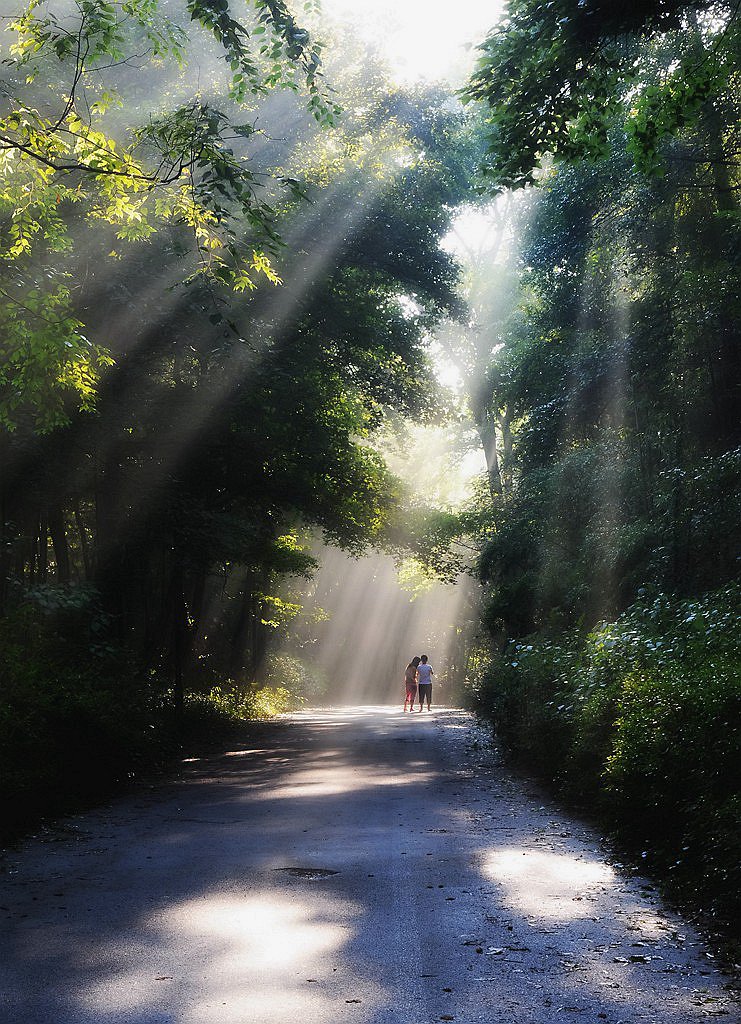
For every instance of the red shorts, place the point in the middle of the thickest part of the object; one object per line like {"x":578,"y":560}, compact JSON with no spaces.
{"x":411,"y":690}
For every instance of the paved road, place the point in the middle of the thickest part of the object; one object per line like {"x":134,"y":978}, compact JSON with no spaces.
{"x":353,"y":865}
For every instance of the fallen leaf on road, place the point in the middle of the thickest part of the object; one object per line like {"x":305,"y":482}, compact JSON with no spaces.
{"x":352,"y":1000}
{"x":164,"y":977}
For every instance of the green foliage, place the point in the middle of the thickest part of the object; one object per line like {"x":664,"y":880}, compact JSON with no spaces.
{"x":233,"y":703}
{"x":553,"y":77}
{"x":640,"y":718}
{"x":180,"y":164}
{"x":620,"y":374}
{"x":233,"y":425}
{"x":665,"y":109}
{"x":69,"y":156}
{"x":617,"y":376}
{"x":287,"y":685}
{"x":46,"y":361}
{"x":75,"y":723}
{"x":289,"y":672}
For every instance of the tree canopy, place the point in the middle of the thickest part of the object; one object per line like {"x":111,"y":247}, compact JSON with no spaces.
{"x":84,"y":141}
{"x":213,"y":421}
{"x":553,"y":77}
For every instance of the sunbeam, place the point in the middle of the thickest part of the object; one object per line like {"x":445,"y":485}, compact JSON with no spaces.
{"x":592,"y":481}
{"x":373,"y":628}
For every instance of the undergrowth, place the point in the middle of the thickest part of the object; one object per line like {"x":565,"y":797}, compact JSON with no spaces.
{"x":638,"y":720}
{"x":234,"y":703}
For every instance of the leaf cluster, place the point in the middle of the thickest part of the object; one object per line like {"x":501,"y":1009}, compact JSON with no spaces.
{"x":553,"y":77}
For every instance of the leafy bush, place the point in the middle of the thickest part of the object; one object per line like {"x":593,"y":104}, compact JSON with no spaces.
{"x":640,"y":719}
{"x":288,"y":685}
{"x":289,"y":672}
{"x":237,"y":703}
{"x":522,"y":692}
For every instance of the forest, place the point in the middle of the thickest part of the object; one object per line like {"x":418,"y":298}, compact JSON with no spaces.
{"x":227,"y":293}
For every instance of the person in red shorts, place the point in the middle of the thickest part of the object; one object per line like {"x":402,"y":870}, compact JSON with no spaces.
{"x":410,"y":682}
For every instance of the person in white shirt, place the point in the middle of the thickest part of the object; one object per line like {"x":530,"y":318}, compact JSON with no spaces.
{"x":424,"y":682}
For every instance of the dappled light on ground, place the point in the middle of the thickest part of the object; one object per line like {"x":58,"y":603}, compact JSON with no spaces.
{"x":237,"y":950}
{"x":321,"y":782}
{"x":268,"y":933}
{"x":550,"y":884}
{"x":351,"y":861}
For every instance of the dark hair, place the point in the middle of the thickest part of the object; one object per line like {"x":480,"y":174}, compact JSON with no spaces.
{"x":414,"y":662}
{"x":423,"y":658}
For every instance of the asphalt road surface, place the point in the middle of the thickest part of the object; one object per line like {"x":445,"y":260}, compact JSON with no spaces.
{"x":342,"y":867}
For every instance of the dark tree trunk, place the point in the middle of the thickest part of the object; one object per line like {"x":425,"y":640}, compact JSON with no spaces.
{"x":243,"y":634}
{"x":42,"y":548}
{"x":5,"y":542}
{"x":58,"y":534}
{"x":505,"y":427}
{"x":84,"y":545}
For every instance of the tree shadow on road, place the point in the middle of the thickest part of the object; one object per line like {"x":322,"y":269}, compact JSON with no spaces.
{"x":347,"y":865}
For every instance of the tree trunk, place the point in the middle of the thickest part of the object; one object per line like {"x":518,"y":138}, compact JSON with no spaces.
{"x":42,"y":548}
{"x":505,"y":427}
{"x":488,"y":434}
{"x":58,"y":533}
{"x":179,"y":637}
{"x":84,"y":545}
{"x":5,"y":541}
{"x":242,"y":632}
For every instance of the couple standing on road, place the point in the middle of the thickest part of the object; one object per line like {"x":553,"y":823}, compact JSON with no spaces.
{"x":418,"y":673}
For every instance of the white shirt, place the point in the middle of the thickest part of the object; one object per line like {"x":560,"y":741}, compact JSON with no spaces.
{"x":423,"y":673}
